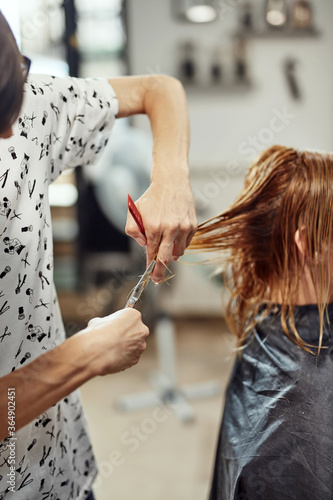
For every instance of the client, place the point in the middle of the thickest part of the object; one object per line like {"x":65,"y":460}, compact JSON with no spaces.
{"x":275,"y":243}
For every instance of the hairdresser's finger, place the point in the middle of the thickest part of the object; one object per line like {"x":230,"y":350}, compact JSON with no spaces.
{"x":192,"y":232}
{"x":133,"y":230}
{"x":153,"y":234}
{"x":179,"y":246}
{"x":187,"y":230}
{"x":164,"y":257}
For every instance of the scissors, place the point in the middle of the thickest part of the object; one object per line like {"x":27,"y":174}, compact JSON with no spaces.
{"x":143,"y":282}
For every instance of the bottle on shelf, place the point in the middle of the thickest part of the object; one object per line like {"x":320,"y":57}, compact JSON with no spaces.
{"x":246,"y":17}
{"x":276,"y":13}
{"x":216,"y":68}
{"x":301,"y":14}
{"x":187,"y":66}
{"x":240,"y":62}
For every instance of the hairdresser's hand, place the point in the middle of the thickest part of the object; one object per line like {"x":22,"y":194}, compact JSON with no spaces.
{"x":168,"y":214}
{"x":115,"y":342}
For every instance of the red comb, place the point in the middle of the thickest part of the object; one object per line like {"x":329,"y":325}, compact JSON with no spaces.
{"x":136,"y":214}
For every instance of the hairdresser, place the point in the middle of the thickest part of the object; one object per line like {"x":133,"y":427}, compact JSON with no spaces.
{"x":46,"y":125}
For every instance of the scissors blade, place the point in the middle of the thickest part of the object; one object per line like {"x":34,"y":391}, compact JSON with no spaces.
{"x":141,"y":285}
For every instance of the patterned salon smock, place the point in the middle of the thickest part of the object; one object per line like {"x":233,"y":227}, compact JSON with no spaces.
{"x":64,"y":122}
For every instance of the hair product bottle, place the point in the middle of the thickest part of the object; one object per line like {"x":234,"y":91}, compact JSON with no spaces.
{"x":301,"y":14}
{"x":276,"y":13}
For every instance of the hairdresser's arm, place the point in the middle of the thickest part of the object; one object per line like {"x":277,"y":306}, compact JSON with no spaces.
{"x":167,"y":207}
{"x":107,"y":345}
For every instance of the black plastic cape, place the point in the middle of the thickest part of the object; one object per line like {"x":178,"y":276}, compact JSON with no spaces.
{"x":276,"y":438}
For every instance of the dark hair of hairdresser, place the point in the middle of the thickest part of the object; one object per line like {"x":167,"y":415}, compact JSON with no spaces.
{"x":11,"y":79}
{"x":285,"y":190}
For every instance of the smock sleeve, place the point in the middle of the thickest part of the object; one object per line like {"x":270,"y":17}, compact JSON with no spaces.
{"x":69,"y":120}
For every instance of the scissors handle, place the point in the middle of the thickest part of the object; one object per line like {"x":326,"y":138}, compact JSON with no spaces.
{"x":130,"y":303}
{"x":136,"y":215}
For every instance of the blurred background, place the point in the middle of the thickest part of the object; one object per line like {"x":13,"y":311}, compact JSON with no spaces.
{"x":256,"y":73}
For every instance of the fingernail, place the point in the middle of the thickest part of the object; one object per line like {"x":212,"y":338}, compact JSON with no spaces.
{"x":141,"y":241}
{"x":175,"y":258}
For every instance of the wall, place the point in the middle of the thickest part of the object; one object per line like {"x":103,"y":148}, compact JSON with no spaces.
{"x":220,"y":123}
{"x":224,"y":124}
{"x":11,"y":13}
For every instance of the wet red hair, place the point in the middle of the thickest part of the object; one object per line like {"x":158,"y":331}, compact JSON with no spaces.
{"x":285,"y":190}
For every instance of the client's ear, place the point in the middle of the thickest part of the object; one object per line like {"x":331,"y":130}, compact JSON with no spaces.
{"x":300,"y":241}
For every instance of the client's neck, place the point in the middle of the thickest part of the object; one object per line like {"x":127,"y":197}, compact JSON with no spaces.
{"x":306,"y":293}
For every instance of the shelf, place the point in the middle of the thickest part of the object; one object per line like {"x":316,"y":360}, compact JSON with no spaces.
{"x":98,"y":14}
{"x":218,"y":88}
{"x":100,"y":55}
{"x":278,"y":33}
